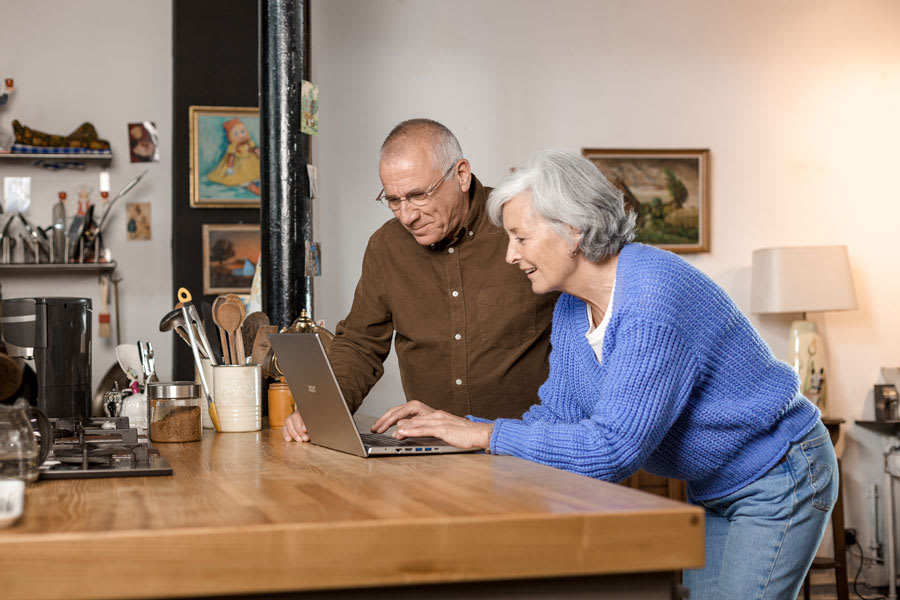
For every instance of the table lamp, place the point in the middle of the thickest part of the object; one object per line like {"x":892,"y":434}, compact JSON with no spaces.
{"x":803,"y":279}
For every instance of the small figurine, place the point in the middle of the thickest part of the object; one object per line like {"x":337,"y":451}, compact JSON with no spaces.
{"x":7,"y":91}
{"x":84,"y":137}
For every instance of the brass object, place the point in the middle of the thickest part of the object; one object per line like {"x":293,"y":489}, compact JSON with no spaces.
{"x":302,"y":324}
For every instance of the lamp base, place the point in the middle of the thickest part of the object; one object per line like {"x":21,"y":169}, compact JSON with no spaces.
{"x":806,"y":354}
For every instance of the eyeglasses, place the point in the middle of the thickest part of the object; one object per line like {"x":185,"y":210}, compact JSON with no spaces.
{"x":419,"y":199}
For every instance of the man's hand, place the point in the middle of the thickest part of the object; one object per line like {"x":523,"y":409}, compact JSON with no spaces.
{"x":415,"y":419}
{"x":295,"y":428}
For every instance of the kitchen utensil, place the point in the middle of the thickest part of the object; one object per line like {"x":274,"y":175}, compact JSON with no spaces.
{"x":250,"y":326}
{"x":20,"y":453}
{"x":234,"y":313}
{"x":174,"y":321}
{"x":115,"y":282}
{"x":130,"y":360}
{"x":213,"y":416}
{"x":145,"y":350}
{"x":38,"y":237}
{"x":211,"y":332}
{"x":122,"y":192}
{"x":183,"y":296}
{"x":103,"y":329}
{"x":200,"y":332}
{"x":227,"y":348}
{"x":261,"y":346}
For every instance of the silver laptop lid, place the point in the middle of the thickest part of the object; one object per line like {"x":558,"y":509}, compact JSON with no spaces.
{"x":302,"y":359}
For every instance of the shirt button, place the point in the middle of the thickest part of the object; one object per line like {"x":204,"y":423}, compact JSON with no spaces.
{"x":454,"y":293}
{"x":459,"y":382}
{"x":471,"y":233}
{"x":451,"y":250}
{"x":457,"y":336}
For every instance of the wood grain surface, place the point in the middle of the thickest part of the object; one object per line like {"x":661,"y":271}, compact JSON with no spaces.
{"x":250,"y":513}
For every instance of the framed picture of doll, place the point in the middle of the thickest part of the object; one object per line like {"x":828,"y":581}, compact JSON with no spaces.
{"x":225,"y":157}
{"x":230,"y":254}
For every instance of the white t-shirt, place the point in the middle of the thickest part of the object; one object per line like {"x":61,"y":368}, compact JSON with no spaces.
{"x":595,"y":335}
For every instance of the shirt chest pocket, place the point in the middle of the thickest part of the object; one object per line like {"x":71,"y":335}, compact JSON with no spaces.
{"x":506,"y":316}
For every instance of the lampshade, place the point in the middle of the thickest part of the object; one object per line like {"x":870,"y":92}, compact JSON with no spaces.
{"x":800,"y":279}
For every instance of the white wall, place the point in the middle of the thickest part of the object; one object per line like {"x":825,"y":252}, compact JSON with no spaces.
{"x":796,"y":100}
{"x":108,"y":62}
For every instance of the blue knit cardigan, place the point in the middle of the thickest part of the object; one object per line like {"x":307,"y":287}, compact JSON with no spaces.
{"x":687,"y":388}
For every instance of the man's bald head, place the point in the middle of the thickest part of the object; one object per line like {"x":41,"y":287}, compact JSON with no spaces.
{"x":442,"y":144}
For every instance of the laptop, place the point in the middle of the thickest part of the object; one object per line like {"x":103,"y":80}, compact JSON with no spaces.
{"x":302,"y":359}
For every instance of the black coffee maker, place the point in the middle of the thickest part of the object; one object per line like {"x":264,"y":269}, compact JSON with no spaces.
{"x":56,"y":334}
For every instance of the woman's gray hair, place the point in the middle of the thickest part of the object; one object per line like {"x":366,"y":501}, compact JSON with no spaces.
{"x":445,"y":149}
{"x":570,"y":192}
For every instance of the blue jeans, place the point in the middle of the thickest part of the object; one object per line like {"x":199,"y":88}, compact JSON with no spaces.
{"x":761,"y":539}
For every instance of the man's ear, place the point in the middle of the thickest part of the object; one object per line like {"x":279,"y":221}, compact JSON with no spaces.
{"x":463,"y":174}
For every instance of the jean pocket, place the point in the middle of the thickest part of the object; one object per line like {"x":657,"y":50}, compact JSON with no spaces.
{"x":822,"y":473}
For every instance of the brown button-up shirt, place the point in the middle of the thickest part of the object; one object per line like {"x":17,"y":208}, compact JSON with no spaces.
{"x":471,"y":336}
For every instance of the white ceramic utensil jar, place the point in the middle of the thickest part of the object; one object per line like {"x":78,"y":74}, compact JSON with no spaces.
{"x":237,"y":392}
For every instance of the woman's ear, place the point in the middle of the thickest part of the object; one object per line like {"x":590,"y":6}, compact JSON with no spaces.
{"x":575,"y":236}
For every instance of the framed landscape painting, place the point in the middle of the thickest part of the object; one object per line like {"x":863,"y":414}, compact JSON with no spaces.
{"x":225,"y":157}
{"x":667,"y":189}
{"x":230,"y":255}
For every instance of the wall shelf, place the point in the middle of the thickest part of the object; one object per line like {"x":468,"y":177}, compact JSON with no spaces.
{"x":56,"y":156}
{"x":58,"y":268}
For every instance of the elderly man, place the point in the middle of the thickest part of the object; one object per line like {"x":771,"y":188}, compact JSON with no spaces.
{"x":471,"y":336}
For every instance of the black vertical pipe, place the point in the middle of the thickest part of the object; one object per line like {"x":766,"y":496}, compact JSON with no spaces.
{"x":285,"y":217}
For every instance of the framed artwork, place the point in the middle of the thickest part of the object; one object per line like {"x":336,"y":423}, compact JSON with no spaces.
{"x":667,"y":189}
{"x":225,"y":157}
{"x":230,"y":254}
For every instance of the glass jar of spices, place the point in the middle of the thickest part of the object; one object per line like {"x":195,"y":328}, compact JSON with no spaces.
{"x":173,"y":411}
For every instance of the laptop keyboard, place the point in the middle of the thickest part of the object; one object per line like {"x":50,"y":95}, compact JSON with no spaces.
{"x":377,"y":439}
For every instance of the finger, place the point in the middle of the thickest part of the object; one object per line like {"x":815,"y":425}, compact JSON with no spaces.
{"x":391,"y":416}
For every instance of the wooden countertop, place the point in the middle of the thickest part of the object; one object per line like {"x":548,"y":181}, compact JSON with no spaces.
{"x":250,"y":513}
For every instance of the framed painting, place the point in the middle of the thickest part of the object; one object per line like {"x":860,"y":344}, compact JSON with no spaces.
{"x":225,"y":157}
{"x":667,"y":189}
{"x":230,"y":255}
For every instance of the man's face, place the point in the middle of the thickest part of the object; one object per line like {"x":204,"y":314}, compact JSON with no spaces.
{"x":411,"y":170}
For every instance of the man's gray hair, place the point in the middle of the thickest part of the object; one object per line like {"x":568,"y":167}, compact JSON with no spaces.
{"x":445,"y":149}
{"x":569,"y":191}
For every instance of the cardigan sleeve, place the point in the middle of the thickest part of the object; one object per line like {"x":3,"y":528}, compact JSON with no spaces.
{"x":642,"y":387}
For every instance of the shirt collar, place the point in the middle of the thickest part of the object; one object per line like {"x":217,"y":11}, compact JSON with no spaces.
{"x":474,"y":216}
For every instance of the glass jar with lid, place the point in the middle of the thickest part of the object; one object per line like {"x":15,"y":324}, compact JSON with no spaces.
{"x":173,"y":411}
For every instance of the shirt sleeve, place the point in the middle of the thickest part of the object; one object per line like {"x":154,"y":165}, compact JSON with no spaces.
{"x":363,"y":339}
{"x":645,"y":382}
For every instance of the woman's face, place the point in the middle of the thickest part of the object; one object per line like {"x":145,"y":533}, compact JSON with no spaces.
{"x":536,"y":247}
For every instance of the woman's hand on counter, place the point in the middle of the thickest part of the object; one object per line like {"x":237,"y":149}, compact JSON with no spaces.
{"x":415,"y":419}
{"x":295,"y":428}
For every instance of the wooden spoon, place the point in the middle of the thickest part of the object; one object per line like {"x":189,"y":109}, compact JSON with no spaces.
{"x":226,"y":351}
{"x":229,"y":318}
{"x":238,"y":339}
{"x":251,"y":325}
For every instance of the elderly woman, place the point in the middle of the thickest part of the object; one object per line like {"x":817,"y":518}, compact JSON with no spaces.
{"x":654,"y":367}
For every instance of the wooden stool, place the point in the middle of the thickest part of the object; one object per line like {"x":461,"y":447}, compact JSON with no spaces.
{"x":839,"y":562}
